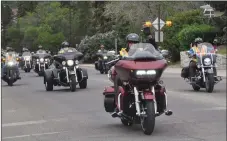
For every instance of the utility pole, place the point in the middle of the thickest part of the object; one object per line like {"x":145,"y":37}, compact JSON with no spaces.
{"x":70,"y":24}
{"x":159,"y":17}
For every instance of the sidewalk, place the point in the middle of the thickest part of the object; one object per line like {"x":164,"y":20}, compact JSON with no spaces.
{"x":174,"y":70}
{"x":178,"y":71}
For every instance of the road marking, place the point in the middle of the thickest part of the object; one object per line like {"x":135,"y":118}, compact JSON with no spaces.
{"x":210,"y":109}
{"x":33,"y":122}
{"x":38,"y":134}
{"x":23,"y":123}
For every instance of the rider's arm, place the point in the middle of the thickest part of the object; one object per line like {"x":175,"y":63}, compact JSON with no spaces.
{"x":191,"y":51}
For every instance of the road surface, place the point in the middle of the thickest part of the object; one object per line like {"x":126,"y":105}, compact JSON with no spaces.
{"x":29,"y":113}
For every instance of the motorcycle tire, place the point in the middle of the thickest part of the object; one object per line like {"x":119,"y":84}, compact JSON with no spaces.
{"x":83,"y":84}
{"x":101,"y":72}
{"x":73,"y":83}
{"x":49,"y":84}
{"x":209,"y":83}
{"x":10,"y":83}
{"x":148,"y":123}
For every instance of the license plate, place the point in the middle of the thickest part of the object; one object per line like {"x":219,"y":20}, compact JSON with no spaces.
{"x":71,"y":72}
{"x":210,"y":71}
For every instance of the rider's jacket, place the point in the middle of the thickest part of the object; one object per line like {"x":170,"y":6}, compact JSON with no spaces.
{"x":194,"y":50}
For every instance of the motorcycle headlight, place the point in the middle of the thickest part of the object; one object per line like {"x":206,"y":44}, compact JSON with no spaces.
{"x":63,"y":63}
{"x":37,"y":60}
{"x":76,"y":62}
{"x":70,"y":62}
{"x":105,"y":57}
{"x":41,"y":59}
{"x":143,"y":72}
{"x":207,"y":61}
{"x":46,"y":60}
{"x":10,"y":63}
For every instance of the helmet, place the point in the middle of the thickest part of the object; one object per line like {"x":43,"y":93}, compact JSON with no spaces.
{"x":198,"y":40}
{"x":25,"y":49}
{"x":40,"y":47}
{"x":65,"y":44}
{"x":132,"y":37}
{"x":9,"y":49}
{"x":215,"y":41}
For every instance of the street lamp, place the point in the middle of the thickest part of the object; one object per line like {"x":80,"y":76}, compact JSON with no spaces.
{"x":169,"y":23}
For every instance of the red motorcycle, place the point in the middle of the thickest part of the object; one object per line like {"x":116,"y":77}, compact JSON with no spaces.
{"x":138,"y":95}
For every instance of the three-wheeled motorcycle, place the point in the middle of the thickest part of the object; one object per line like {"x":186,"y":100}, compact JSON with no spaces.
{"x":26,"y":61}
{"x":138,"y":95}
{"x":105,"y":57}
{"x":41,"y":61}
{"x":10,"y":68}
{"x":206,"y":69}
{"x":65,"y":71}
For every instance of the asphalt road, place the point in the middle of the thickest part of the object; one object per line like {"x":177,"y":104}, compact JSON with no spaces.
{"x":29,"y":113}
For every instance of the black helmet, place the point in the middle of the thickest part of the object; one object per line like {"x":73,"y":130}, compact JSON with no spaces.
{"x":65,"y":44}
{"x":133,"y":37}
{"x":198,"y":40}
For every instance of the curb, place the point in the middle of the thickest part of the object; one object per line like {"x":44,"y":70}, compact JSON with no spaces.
{"x":173,"y":70}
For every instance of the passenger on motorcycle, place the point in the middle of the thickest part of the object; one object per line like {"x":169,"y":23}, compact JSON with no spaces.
{"x":10,"y":55}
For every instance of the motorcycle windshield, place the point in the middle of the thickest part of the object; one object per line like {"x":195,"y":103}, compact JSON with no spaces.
{"x":67,"y":50}
{"x":26,"y":54}
{"x":205,"y":48}
{"x":41,"y":52}
{"x":10,"y":57}
{"x":70,"y":54}
{"x":143,"y":51}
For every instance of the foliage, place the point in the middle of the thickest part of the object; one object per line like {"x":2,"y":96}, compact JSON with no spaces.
{"x":90,"y":45}
{"x":190,"y":32}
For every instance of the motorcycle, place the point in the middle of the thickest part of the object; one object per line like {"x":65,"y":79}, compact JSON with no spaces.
{"x":9,"y":74}
{"x":103,"y":59}
{"x":66,"y":71}
{"x":41,"y":61}
{"x":138,"y":95}
{"x":26,"y":61}
{"x":205,"y":76}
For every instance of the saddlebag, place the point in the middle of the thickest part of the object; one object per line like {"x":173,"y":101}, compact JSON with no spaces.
{"x":96,"y":65}
{"x":185,"y":72}
{"x":109,"y":99}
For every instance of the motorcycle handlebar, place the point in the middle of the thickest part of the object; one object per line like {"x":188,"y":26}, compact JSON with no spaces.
{"x":113,"y":61}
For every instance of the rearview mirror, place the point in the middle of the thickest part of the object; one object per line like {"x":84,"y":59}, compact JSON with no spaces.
{"x":165,"y":53}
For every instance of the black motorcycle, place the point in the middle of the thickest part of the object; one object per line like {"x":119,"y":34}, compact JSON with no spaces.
{"x":10,"y":68}
{"x":65,"y":71}
{"x":41,"y":61}
{"x":26,"y":61}
{"x":205,"y":75}
{"x":101,"y":65}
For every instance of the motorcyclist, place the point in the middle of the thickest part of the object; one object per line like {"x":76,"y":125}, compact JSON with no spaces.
{"x":193,"y":50}
{"x":9,"y":56}
{"x":193,"y":64}
{"x":131,"y":39}
{"x":101,"y":51}
{"x":151,"y":40}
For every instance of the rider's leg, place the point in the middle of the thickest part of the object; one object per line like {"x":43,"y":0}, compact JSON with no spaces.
{"x":192,"y":69}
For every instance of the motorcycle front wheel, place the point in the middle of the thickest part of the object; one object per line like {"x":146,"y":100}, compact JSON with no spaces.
{"x":148,"y":122}
{"x":73,"y":83}
{"x":210,"y":83}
